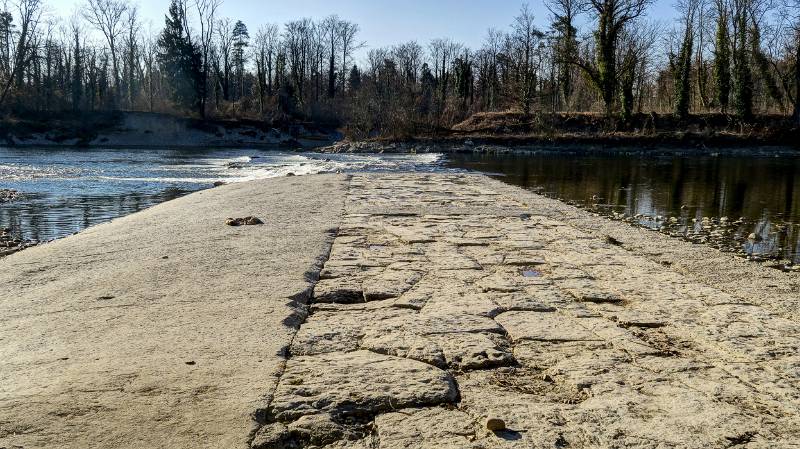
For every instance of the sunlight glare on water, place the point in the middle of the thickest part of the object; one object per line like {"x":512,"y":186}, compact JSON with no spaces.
{"x":67,"y":190}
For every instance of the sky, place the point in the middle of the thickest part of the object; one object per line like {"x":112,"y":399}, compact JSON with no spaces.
{"x":382,"y":22}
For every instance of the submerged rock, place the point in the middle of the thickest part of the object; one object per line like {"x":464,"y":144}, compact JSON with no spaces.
{"x":9,"y":244}
{"x":8,"y":195}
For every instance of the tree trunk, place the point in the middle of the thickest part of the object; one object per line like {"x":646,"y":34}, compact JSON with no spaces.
{"x":332,"y":76}
{"x":115,"y":93}
{"x":607,"y":62}
{"x":797,"y":87}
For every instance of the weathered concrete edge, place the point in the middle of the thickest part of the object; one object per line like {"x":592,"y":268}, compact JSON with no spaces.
{"x":302,"y":300}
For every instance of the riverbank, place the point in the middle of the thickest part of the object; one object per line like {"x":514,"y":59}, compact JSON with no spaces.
{"x":9,"y":244}
{"x":447,"y":304}
{"x":582,"y":133}
{"x":123,"y":129}
{"x":484,"y":132}
{"x":524,"y":145}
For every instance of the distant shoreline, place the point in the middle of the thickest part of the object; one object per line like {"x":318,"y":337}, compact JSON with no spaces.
{"x":538,"y":146}
{"x":142,"y":130}
{"x":489,"y":132}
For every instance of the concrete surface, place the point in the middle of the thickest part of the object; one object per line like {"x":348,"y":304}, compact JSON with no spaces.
{"x":165,"y":328}
{"x":451,"y":311}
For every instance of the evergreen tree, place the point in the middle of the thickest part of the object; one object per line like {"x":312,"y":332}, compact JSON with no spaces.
{"x":464,"y":79}
{"x":180,"y":60}
{"x":241,"y":40}
{"x":428,"y":87}
{"x":354,"y":80}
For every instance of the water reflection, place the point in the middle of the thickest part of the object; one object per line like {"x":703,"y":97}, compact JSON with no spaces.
{"x":743,"y":204}
{"x":41,"y":218}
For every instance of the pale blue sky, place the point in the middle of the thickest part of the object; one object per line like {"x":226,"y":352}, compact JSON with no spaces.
{"x":383,"y":22}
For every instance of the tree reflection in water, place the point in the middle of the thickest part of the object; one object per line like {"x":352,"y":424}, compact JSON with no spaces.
{"x":743,"y":204}
{"x":42,"y":218}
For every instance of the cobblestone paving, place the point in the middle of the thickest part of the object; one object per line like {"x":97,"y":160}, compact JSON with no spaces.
{"x":445,"y":303}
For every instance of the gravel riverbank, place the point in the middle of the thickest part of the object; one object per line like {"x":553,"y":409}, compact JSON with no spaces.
{"x":7,"y":195}
{"x":467,"y":145}
{"x":9,"y":244}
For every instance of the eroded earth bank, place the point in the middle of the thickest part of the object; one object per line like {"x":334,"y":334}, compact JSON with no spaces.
{"x":446,"y":311}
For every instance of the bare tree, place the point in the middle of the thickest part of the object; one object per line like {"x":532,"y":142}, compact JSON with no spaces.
{"x":150,"y":49}
{"x":206,"y":14}
{"x":298,"y":40}
{"x":224,"y":49}
{"x":612,"y":16}
{"x":131,"y":43}
{"x":681,"y":63}
{"x":265,"y":49}
{"x":443,"y":51}
{"x":409,"y":60}
{"x":527,"y":37}
{"x":636,"y":43}
{"x":565,"y":14}
{"x":792,"y":8}
{"x":330,"y":28}
{"x":29,"y":13}
{"x":107,"y":16}
{"x":348,"y":32}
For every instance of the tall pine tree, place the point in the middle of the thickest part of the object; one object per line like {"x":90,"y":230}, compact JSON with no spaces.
{"x":180,"y":60}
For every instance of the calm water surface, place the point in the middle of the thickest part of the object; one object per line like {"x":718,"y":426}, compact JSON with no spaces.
{"x":743,"y":204}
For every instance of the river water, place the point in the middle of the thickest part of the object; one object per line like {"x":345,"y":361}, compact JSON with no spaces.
{"x":65,"y":191}
{"x":745,"y":204}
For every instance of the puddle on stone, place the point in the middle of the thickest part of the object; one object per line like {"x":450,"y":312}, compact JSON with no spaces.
{"x":531,"y":273}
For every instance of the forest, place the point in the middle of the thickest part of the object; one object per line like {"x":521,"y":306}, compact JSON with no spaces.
{"x":609,"y":58}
